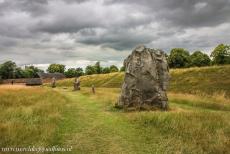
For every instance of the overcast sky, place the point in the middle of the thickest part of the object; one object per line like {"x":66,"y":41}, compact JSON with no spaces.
{"x":79,"y":32}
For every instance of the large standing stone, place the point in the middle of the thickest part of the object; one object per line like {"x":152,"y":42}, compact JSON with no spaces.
{"x":146,"y":80}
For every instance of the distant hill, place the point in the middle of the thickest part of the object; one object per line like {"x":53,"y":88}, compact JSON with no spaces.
{"x":204,"y":80}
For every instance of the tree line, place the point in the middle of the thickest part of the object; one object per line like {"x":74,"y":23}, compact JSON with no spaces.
{"x":89,"y":70}
{"x":9,"y":70}
{"x":178,"y":58}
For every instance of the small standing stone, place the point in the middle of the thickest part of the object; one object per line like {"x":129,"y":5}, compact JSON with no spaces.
{"x":53,"y":82}
{"x":76,"y":84}
{"x":93,"y":89}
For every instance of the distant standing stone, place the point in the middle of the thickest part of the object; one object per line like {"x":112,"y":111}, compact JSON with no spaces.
{"x":146,"y":80}
{"x":93,"y":89}
{"x":53,"y":84}
{"x":76,"y":84}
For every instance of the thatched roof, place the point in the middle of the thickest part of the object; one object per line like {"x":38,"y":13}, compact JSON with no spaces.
{"x":51,"y":75}
{"x":34,"y":81}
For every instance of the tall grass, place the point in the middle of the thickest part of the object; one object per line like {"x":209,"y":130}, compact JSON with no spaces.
{"x":29,"y":116}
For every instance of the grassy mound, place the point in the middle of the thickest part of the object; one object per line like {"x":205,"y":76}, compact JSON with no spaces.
{"x":206,"y":80}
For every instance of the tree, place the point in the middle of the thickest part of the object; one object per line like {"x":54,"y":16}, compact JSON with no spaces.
{"x":56,"y":68}
{"x":89,"y":70}
{"x":106,"y":70}
{"x":113,"y":68}
{"x":98,"y":68}
{"x":31,"y":72}
{"x":7,"y":70}
{"x":79,"y":72}
{"x":70,"y":73}
{"x":200,"y":59}
{"x":122,"y":69}
{"x":221,"y":54}
{"x":179,"y":58}
{"x":19,"y":73}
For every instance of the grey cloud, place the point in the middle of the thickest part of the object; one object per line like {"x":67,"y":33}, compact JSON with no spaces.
{"x":33,"y":7}
{"x":116,"y":39}
{"x":185,"y":13}
{"x":47,"y":31}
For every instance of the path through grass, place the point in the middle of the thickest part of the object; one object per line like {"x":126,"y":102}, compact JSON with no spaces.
{"x":91,"y":125}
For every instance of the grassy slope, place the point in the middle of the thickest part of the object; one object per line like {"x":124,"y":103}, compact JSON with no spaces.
{"x":207,"y":80}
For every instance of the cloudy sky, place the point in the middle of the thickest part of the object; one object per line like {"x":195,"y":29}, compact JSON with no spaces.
{"x":79,"y":32}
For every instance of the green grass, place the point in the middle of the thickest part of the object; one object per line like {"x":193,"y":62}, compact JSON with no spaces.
{"x":90,"y":123}
{"x":212,"y":80}
{"x":93,"y":125}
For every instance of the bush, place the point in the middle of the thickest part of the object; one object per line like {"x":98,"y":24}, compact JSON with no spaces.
{"x":56,"y":68}
{"x":89,"y":70}
{"x":221,"y":54}
{"x":179,"y":58}
{"x":106,"y":70}
{"x":113,"y":68}
{"x":200,"y":59}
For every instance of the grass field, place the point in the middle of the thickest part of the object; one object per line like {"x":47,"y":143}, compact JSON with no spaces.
{"x":42,"y":116}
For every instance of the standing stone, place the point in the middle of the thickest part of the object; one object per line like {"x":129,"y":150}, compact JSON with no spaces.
{"x":53,"y":84}
{"x":93,"y":89}
{"x":76,"y":84}
{"x":146,"y":80}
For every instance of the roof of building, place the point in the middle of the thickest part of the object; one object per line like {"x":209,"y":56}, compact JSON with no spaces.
{"x":51,"y":75}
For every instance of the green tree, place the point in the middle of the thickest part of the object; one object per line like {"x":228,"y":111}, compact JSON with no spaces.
{"x":89,"y":70}
{"x":7,"y":70}
{"x":179,"y":58}
{"x":221,"y":54}
{"x":31,"y":72}
{"x":122,"y":69}
{"x":19,"y":73}
{"x":200,"y":59}
{"x":106,"y":70}
{"x":113,"y":68}
{"x":70,"y":73}
{"x":98,"y":68}
{"x":56,"y":68}
{"x":79,"y":72}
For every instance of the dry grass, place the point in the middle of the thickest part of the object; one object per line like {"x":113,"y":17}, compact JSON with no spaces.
{"x":28,"y":115}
